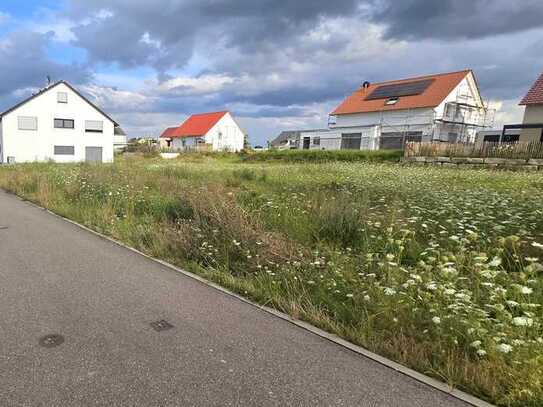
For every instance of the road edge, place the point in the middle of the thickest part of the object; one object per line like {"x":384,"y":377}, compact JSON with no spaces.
{"x":420,"y":377}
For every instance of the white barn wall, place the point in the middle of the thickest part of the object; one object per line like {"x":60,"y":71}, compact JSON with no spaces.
{"x":226,"y":135}
{"x":38,"y":145}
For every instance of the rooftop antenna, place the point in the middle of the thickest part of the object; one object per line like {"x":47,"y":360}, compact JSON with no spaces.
{"x":48,"y":80}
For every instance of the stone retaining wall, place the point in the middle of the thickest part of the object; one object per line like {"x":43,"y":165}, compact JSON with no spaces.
{"x":532,"y":164}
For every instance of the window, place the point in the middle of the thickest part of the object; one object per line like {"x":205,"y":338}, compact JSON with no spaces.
{"x":64,"y":124}
{"x":62,"y":97}
{"x":316,"y":141}
{"x":27,"y":123}
{"x":94,"y":126}
{"x":391,"y":101}
{"x":64,"y":150}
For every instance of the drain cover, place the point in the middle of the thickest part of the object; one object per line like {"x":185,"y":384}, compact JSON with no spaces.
{"x":161,"y":325}
{"x":50,"y":341}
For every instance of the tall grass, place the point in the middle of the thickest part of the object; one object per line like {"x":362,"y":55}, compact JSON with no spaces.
{"x":324,"y":155}
{"x":437,"y":269}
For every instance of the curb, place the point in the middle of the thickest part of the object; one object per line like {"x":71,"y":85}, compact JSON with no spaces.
{"x":440,"y":386}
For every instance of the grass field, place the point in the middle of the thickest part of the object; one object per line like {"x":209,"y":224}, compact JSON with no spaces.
{"x":439,"y":269}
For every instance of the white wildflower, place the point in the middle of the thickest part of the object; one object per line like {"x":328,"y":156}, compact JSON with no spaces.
{"x":523,"y":321}
{"x":504,"y":348}
{"x":436,"y":320}
{"x":389,"y":291}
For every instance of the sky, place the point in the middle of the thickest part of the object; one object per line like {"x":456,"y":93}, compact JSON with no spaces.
{"x":275,"y":64}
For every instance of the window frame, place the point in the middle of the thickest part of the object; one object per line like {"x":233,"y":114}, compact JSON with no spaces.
{"x":62,"y":153}
{"x":64,"y":121}
{"x":87,"y":130}
{"x":59,"y":98}
{"x":19,"y":127}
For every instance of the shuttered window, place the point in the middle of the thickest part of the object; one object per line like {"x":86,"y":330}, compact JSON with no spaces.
{"x":62,"y":97}
{"x":64,"y":124}
{"x":94,"y":126}
{"x":64,"y":150}
{"x":28,"y":122}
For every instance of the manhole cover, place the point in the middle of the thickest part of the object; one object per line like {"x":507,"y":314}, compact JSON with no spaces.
{"x":161,"y":325}
{"x":50,"y":341}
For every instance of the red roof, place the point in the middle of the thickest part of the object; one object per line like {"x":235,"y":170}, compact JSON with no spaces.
{"x":535,"y":94}
{"x":441,"y":86}
{"x":169,"y":132}
{"x":196,"y":125}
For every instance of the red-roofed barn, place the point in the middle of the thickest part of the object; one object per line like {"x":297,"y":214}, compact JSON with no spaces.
{"x":217,"y":131}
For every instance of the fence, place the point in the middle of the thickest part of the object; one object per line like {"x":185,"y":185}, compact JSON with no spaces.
{"x":483,"y":150}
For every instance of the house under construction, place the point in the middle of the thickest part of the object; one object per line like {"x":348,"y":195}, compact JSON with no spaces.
{"x":444,"y":107}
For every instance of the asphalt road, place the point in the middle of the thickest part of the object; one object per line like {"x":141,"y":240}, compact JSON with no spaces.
{"x":56,"y":278}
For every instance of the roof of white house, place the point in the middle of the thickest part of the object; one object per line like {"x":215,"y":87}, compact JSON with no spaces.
{"x":410,"y":93}
{"x":196,"y":125}
{"x":535,"y":94}
{"x":47,"y":89}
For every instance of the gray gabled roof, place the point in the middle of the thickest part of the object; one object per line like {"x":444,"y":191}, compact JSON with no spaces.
{"x":285,"y":136}
{"x":42,"y":91}
{"x":118,"y":131}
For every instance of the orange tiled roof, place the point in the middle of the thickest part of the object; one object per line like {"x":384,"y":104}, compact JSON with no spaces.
{"x":441,"y":86}
{"x":535,"y":94}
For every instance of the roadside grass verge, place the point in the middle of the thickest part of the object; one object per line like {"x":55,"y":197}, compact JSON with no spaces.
{"x":438,"y":269}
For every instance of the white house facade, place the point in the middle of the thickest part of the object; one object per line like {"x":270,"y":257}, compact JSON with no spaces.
{"x":217,"y":131}
{"x":58,"y":124}
{"x":444,"y":107}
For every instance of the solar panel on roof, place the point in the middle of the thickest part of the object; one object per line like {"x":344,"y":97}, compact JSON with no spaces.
{"x":400,"y":89}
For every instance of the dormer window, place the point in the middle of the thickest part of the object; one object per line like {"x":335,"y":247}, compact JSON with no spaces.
{"x":62,"y":97}
{"x":391,"y":101}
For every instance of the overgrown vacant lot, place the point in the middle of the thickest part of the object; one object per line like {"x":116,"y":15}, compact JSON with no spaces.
{"x":439,"y":269}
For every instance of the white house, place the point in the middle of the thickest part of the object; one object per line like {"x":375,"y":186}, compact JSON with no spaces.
{"x":120,"y":139}
{"x":442,"y":107}
{"x":532,"y":123}
{"x":58,"y":123}
{"x":217,"y":131}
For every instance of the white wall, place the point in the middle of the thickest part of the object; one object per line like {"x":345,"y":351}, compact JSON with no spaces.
{"x":38,"y":145}
{"x":533,"y":114}
{"x":180,"y":143}
{"x":226,"y":135}
{"x":331,"y":139}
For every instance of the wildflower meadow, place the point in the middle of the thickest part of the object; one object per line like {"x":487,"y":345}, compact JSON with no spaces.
{"x":440,"y":269}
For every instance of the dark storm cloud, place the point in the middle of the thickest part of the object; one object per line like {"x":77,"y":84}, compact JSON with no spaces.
{"x":24,"y":64}
{"x":454,"y":19}
{"x":247,"y":25}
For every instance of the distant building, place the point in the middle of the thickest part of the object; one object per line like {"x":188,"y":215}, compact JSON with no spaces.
{"x":120,"y":139}
{"x":493,"y":136}
{"x":443,"y":107}
{"x":58,"y":123}
{"x":216,"y":131}
{"x":287,"y":140}
{"x":532,"y":124}
{"x":294,"y":139}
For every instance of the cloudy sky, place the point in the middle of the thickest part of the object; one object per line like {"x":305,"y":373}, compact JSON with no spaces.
{"x":276,"y":64}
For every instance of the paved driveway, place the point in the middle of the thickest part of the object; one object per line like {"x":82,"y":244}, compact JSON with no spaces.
{"x":58,"y":279}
